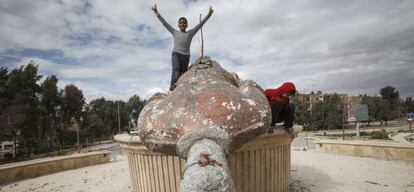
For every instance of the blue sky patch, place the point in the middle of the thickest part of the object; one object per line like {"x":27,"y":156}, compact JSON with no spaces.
{"x":10,"y":57}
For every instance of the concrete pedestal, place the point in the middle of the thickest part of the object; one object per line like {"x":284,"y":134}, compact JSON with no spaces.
{"x":263,"y":164}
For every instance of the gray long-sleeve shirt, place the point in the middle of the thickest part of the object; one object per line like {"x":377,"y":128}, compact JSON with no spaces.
{"x":182,"y":40}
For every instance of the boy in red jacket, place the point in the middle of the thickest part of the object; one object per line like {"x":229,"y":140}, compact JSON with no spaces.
{"x":282,"y":109}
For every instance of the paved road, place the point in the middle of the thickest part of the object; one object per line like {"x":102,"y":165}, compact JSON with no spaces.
{"x":115,"y":149}
{"x":301,"y":141}
{"x":401,"y":138}
{"x":314,"y":171}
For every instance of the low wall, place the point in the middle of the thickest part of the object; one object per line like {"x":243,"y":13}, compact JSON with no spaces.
{"x":260,"y":165}
{"x":394,"y":151}
{"x":33,"y":168}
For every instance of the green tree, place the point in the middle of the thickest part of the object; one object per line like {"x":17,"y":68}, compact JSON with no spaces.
{"x":105,"y":114}
{"x":318,"y":116}
{"x":123,"y":115}
{"x":73,"y":104}
{"x":384,"y":111}
{"x":4,"y":103}
{"x":390,"y":104}
{"x":302,"y":112}
{"x":333,"y":112}
{"x":327,"y":114}
{"x":104,"y":110}
{"x":95,"y":127}
{"x":133,"y":108}
{"x":51,"y":104}
{"x":22,"y":112}
{"x":42,"y":113}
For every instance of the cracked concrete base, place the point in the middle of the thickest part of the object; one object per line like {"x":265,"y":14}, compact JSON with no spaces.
{"x":211,"y":177}
{"x":221,"y":137}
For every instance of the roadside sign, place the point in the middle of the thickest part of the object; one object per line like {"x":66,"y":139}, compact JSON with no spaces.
{"x":410,"y":116}
{"x":351,"y":113}
{"x":358,"y":113}
{"x":362,"y":112}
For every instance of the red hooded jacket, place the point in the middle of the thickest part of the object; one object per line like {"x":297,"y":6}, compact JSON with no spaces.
{"x":274,"y":95}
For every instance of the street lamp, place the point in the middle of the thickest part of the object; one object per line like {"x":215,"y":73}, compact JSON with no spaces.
{"x":119,"y":121}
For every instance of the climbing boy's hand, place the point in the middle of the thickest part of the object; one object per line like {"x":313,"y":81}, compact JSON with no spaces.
{"x":210,"y":11}
{"x":154,"y":8}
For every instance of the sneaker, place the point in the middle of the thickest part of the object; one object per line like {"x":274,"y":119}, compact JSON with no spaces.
{"x":172,"y":88}
{"x":270,"y":130}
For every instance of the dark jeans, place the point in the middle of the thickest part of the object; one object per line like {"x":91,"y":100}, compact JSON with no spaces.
{"x":285,"y":113}
{"x":179,"y":66}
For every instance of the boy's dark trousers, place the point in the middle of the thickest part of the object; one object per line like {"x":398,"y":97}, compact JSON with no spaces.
{"x":179,"y":66}
{"x":282,"y":112}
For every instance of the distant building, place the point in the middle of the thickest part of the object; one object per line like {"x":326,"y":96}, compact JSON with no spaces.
{"x":312,"y":98}
{"x":352,"y":100}
{"x":6,"y":147}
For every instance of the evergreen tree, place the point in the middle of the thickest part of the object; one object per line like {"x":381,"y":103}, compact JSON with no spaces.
{"x":73,"y":104}
{"x":333,"y":112}
{"x":5,"y":128}
{"x":51,"y":105}
{"x":302,"y":113}
{"x":390,"y":103}
{"x":22,"y":112}
{"x":133,"y":108}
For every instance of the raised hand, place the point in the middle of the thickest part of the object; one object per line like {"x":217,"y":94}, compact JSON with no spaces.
{"x":210,"y":10}
{"x":154,"y":8}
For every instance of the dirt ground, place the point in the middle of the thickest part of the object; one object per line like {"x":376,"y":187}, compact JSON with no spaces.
{"x":314,"y":171}
{"x":311,"y":171}
{"x":108,"y":177}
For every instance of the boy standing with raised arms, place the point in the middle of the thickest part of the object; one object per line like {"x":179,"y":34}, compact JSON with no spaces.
{"x":182,"y":41}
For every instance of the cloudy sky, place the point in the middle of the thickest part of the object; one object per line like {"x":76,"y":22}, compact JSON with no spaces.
{"x":118,"y":48}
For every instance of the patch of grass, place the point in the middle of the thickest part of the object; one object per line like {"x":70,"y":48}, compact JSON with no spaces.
{"x":405,"y":131}
{"x":379,"y":135}
{"x":371,"y":135}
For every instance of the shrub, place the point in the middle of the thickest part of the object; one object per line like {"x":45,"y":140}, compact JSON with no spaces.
{"x":379,"y":135}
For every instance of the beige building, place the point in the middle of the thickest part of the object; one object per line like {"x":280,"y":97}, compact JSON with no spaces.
{"x":6,"y":147}
{"x":313,"y":98}
{"x":352,"y":100}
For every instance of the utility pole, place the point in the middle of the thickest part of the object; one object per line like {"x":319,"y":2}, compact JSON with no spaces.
{"x":14,"y":143}
{"x":307,"y":138}
{"x":343,"y":123}
{"x":119,"y":121}
{"x":77,"y":134}
{"x":323,"y":116}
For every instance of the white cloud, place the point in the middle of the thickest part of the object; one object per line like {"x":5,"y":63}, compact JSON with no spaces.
{"x":122,"y":49}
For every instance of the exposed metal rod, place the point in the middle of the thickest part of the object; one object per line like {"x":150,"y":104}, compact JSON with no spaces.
{"x":202,"y":40}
